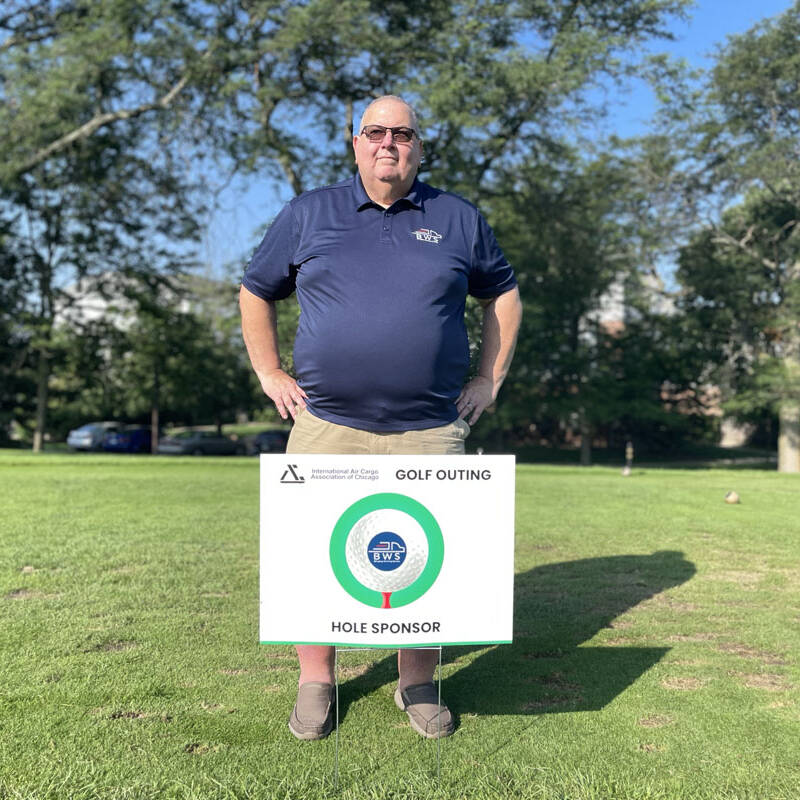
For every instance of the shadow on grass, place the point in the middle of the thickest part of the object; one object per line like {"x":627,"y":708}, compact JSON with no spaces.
{"x":557,"y":607}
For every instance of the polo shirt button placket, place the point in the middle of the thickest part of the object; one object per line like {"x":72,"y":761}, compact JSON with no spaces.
{"x":386,"y":232}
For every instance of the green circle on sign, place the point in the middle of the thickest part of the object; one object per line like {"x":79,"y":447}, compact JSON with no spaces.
{"x":397,"y":502}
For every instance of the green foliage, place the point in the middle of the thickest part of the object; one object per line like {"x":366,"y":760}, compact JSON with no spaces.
{"x":595,"y":348}
{"x":175,"y":351}
{"x":103,"y":103}
{"x":745,"y":301}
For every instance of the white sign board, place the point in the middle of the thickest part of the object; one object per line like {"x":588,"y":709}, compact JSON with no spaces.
{"x":386,"y":551}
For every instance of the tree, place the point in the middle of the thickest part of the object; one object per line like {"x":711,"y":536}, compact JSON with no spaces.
{"x":746,"y":312}
{"x":86,"y":187}
{"x":90,"y":87}
{"x":735,"y":148}
{"x":595,"y":350}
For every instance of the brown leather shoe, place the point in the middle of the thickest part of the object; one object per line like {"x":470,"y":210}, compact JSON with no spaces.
{"x":427,"y":717}
{"x":312,"y":715}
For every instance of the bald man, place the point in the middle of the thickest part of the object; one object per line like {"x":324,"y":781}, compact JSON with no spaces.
{"x":382,"y":265}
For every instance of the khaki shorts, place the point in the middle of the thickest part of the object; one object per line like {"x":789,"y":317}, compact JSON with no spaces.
{"x":311,"y":434}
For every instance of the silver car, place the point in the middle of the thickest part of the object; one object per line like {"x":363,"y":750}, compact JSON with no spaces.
{"x":90,"y":436}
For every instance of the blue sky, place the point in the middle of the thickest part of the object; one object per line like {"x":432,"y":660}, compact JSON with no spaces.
{"x":244,"y":211}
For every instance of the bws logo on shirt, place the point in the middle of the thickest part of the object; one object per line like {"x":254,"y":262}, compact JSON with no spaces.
{"x":427,"y":235}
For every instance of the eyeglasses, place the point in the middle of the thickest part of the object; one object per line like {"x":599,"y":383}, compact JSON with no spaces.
{"x":377,"y":133}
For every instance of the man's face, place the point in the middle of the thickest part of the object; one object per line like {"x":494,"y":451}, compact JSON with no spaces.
{"x":388,"y":161}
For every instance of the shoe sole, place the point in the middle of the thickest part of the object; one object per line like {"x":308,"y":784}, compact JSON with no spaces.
{"x":440,"y":734}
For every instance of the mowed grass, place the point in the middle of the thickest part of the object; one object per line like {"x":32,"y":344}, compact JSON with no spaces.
{"x":657,"y":634}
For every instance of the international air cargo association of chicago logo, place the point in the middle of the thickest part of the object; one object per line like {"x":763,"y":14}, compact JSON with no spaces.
{"x":386,"y":550}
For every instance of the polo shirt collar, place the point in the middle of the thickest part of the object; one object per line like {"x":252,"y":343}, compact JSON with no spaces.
{"x":362,"y":199}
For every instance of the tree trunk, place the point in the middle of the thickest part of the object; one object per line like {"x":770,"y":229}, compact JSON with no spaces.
{"x":789,"y":409}
{"x":42,"y":381}
{"x":586,"y":443}
{"x":154,"y":415}
{"x":789,"y":436}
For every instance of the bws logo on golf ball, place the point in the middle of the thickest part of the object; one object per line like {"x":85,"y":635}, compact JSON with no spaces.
{"x":386,"y":550}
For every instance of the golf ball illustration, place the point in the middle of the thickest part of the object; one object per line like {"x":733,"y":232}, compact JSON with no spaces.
{"x":386,"y":550}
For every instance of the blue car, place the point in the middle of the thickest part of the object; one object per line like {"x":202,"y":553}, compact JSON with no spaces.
{"x":129,"y":439}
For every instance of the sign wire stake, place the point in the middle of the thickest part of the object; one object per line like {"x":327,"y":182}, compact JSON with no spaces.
{"x":439,"y":724}
{"x":336,"y":746}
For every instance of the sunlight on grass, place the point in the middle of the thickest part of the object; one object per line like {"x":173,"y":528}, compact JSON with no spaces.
{"x":655,"y":652}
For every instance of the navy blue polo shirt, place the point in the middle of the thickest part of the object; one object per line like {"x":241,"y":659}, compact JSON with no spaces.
{"x":381,"y":342}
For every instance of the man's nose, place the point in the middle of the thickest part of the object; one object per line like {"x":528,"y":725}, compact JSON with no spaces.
{"x":388,"y":134}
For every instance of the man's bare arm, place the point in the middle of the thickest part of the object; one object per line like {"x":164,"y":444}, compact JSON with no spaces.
{"x":501,"y":319}
{"x":260,"y":331}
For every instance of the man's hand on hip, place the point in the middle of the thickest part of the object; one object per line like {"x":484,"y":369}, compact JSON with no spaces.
{"x":476,"y":396}
{"x":283,"y":390}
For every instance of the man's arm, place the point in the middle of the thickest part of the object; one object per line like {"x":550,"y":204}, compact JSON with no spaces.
{"x":260,"y":331}
{"x":501,"y":319}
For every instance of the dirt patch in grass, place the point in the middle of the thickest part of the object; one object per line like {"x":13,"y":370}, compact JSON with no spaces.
{"x":745,"y":651}
{"x":693,"y":637}
{"x":28,"y":570}
{"x":770,"y":683}
{"x":545,"y":654}
{"x":557,"y":680}
{"x":651,"y":748}
{"x":552,"y":702}
{"x":355,"y":671}
{"x":200,"y":748}
{"x":620,"y":624}
{"x":273,"y":687}
{"x":125,"y":569}
{"x":684,"y":684}
{"x":234,"y":671}
{"x":559,"y":692}
{"x":216,"y":708}
{"x":279,"y":668}
{"x":23,"y":594}
{"x":664,"y":601}
{"x":655,"y":721}
{"x":110,"y":646}
{"x":139,"y":715}
{"x":743,"y":579}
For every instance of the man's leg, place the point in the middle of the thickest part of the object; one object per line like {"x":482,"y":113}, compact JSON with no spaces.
{"x":316,"y":663}
{"x":416,"y":666}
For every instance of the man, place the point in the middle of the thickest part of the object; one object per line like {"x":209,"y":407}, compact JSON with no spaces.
{"x":382,"y":264}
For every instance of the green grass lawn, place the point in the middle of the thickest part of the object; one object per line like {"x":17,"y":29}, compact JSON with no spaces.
{"x":657,"y":634}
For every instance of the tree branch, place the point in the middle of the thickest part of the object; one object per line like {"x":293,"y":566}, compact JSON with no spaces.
{"x":721,"y":237}
{"x":94,"y":124}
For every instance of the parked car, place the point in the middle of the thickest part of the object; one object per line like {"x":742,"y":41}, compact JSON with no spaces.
{"x":128,"y":439}
{"x":273,"y":441}
{"x":200,"y":443}
{"x":91,"y":435}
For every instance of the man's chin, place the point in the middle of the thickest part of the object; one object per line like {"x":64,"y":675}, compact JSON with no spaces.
{"x":388,"y":176}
